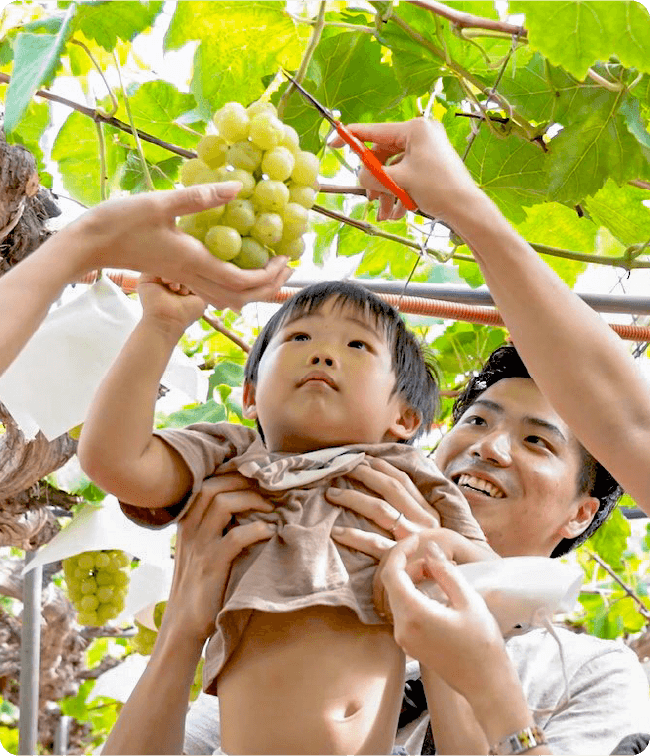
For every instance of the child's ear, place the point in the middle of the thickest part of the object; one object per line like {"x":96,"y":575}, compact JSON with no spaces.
{"x":405,"y":424}
{"x":248,"y":398}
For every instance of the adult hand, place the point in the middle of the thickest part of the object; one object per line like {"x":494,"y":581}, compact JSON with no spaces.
{"x":457,"y":637}
{"x":203,"y":557}
{"x":429,"y":168}
{"x":393,"y":502}
{"x":139,"y":232}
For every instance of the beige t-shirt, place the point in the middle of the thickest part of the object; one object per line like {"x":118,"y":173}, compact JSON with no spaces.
{"x":300,"y":566}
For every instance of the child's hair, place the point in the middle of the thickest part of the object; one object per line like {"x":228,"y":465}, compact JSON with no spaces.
{"x":415,"y":375}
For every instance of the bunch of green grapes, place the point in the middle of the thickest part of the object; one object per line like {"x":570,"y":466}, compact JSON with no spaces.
{"x":271,"y":212}
{"x":143,"y":641}
{"x":97,"y":582}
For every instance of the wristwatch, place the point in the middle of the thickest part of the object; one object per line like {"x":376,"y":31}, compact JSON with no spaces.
{"x":519,"y":742}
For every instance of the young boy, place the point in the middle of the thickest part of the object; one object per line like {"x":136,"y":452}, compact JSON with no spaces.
{"x":301,"y":661}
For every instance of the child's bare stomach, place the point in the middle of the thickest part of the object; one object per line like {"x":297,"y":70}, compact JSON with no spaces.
{"x":315,"y":681}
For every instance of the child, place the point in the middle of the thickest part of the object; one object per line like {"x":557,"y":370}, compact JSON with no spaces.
{"x":301,"y":661}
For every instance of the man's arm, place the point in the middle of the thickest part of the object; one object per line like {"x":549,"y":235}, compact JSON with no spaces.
{"x":117,"y":448}
{"x":581,"y":367}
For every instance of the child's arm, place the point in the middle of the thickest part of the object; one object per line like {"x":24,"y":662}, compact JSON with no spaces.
{"x":117,"y":448}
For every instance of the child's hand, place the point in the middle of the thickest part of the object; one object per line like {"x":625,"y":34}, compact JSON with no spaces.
{"x":168,"y":303}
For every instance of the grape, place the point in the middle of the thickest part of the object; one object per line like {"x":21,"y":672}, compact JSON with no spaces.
{"x":244,"y":155}
{"x":267,"y":229}
{"x":303,"y":195}
{"x":247,"y":180}
{"x":295,"y":219}
{"x":305,"y":170}
{"x":293,"y":248}
{"x":270,"y":195}
{"x":195,"y":171}
{"x":212,"y":150}
{"x":252,"y":255}
{"x":240,"y":214}
{"x":143,"y":641}
{"x":232,"y":121}
{"x":158,"y":612}
{"x":290,"y":140}
{"x":210,"y":217}
{"x":261,"y":106}
{"x":193,"y":225}
{"x":96,"y":583}
{"x":197,"y":683}
{"x":266,"y":130}
{"x":278,"y":163}
{"x":224,"y":242}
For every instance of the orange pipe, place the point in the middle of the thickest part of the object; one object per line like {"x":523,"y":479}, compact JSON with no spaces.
{"x":434,"y":308}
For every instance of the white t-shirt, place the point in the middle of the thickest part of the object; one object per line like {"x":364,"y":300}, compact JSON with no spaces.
{"x":608,"y":691}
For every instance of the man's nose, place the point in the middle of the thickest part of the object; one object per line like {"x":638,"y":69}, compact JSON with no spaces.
{"x":495,"y":448}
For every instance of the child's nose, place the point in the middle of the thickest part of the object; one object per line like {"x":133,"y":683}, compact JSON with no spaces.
{"x":322,"y":359}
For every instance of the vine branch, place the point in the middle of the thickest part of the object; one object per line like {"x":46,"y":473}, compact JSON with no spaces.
{"x":97,"y":115}
{"x":468,"y":20}
{"x":641,"y":606}
{"x":219,"y":326}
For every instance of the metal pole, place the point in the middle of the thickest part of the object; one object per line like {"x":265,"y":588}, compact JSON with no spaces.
{"x":30,"y":646}
{"x":61,"y":736}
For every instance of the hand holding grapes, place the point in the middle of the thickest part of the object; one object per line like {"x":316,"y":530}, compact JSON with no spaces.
{"x":169,"y":305}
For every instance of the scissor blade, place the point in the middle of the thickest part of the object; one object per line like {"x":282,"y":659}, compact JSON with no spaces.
{"x":321,"y":108}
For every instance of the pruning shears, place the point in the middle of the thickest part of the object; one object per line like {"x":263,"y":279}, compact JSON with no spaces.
{"x":368,"y":158}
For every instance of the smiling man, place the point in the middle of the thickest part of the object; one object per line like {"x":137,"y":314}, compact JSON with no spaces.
{"x":533,"y":487}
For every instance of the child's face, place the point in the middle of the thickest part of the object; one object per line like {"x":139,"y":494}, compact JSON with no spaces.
{"x":326,"y":379}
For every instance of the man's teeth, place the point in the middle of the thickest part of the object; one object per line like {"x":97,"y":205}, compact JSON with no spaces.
{"x":481,"y":485}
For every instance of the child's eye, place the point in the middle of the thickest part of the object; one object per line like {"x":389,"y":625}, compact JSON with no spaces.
{"x":298,"y":337}
{"x":357,"y":344}
{"x":475,"y":420}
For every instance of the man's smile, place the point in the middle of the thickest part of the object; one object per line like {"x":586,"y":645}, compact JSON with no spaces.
{"x":479,"y":484}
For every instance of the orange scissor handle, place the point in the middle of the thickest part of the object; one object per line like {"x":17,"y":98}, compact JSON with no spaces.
{"x":375,"y":167}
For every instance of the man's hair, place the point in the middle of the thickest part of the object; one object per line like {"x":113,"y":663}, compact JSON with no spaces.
{"x":415,"y":376}
{"x":593,"y":478}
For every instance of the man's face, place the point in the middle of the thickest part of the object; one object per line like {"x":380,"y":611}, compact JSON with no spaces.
{"x":518,"y":465}
{"x":326,"y":379}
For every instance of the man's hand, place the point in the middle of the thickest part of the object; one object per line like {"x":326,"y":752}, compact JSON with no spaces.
{"x":428,"y":168}
{"x":139,"y":232}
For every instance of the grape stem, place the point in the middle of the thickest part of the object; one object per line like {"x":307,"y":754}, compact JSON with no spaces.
{"x":319,"y":25}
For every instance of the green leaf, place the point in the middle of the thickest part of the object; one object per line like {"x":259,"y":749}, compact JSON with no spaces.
{"x":346,"y":74}
{"x":470,"y":272}
{"x":610,"y":540}
{"x":511,"y":171}
{"x":576,"y":34}
{"x":76,"y":149}
{"x":228,"y":373}
{"x":241,"y":43}
{"x":106,"y":22}
{"x":559,"y":226}
{"x":583,"y":155}
{"x":416,"y":67}
{"x":156,"y":106}
{"x":30,"y":130}
{"x":163,"y":175}
{"x":621,"y":210}
{"x":210,"y":412}
{"x":36,"y":58}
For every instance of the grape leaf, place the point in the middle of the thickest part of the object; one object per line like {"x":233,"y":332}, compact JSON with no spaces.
{"x":230,"y":66}
{"x":164,"y":174}
{"x":339,"y":77}
{"x":510,"y":170}
{"x":576,"y":34}
{"x":610,"y":540}
{"x":106,"y":22}
{"x":584,"y":155}
{"x":76,"y":149}
{"x":155,"y":107}
{"x":621,"y":210}
{"x":36,"y":58}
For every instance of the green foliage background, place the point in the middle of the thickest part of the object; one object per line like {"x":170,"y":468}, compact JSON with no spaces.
{"x":563,"y":149}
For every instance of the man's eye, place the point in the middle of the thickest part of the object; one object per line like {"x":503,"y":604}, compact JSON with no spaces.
{"x":357,"y":344}
{"x":537,"y":441}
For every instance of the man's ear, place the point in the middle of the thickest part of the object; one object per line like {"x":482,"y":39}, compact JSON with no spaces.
{"x":406,"y":423}
{"x":586,"y":509}
{"x":248,"y":400}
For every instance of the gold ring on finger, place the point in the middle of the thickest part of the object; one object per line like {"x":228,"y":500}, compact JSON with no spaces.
{"x":396,"y":523}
